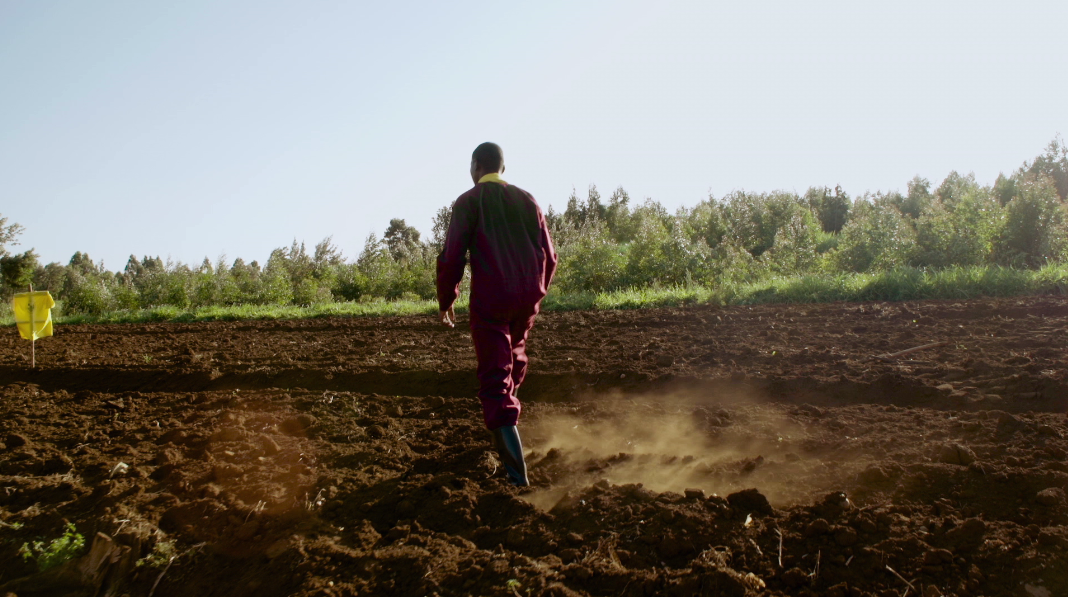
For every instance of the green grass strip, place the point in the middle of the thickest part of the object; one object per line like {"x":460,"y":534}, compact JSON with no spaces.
{"x":906,"y":284}
{"x":380,"y":308}
{"x":896,"y":285}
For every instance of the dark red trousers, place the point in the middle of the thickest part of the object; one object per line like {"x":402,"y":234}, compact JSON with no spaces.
{"x":501,"y":348}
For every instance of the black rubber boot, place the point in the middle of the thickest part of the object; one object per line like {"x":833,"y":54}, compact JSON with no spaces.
{"x":510,"y":449}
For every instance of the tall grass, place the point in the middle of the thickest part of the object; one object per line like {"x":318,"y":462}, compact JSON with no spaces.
{"x":378,"y":308}
{"x":906,"y":284}
{"x":895,"y":285}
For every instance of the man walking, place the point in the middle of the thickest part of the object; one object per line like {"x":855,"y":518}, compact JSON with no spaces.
{"x":512,"y":264}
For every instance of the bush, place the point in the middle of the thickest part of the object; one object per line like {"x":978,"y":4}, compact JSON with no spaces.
{"x":162,"y":285}
{"x":705,"y":222}
{"x":685,"y":260}
{"x":384,"y":276}
{"x":241,"y":284}
{"x":205,"y":288}
{"x":125,"y":296}
{"x":592,"y":262}
{"x":1035,"y":231}
{"x":958,"y":232}
{"x":795,"y":251}
{"x":755,"y":219}
{"x":351,"y":283}
{"x":877,"y":237}
{"x":272,"y":288}
{"x":832,"y":210}
{"x":732,"y":264}
{"x":309,"y":292}
{"x":917,"y":201}
{"x":646,"y":258}
{"x":86,"y":294}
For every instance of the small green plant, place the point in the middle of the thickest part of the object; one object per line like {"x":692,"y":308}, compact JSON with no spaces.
{"x":147,"y":358}
{"x":512,"y":584}
{"x":162,"y":553}
{"x":61,"y":549}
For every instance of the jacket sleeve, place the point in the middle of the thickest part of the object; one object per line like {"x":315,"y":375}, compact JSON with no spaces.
{"x":453,"y":255}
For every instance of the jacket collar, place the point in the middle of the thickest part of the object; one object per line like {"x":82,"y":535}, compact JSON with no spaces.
{"x":492,"y":177}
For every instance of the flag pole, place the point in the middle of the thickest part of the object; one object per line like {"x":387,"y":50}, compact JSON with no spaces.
{"x":33,"y":334}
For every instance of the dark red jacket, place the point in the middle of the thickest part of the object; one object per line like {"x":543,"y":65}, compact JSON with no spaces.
{"x":512,"y":256}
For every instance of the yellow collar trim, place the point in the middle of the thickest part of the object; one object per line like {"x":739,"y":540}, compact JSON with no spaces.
{"x":492,"y":177}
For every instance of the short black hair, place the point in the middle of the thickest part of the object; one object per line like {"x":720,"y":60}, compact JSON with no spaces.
{"x":489,"y":157}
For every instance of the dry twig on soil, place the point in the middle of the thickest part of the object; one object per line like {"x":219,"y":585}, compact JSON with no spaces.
{"x":901,"y":353}
{"x":780,"y":546}
{"x":894,"y":572}
{"x":168,"y":566}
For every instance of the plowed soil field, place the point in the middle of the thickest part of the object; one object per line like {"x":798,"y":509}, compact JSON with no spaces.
{"x":772,"y":450}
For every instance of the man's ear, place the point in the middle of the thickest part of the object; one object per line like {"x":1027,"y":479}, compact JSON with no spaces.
{"x":502,"y":168}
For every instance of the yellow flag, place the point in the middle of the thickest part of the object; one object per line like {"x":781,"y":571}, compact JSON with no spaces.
{"x":33,"y":314}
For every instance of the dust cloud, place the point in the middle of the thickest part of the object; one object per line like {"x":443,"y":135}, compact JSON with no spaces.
{"x":674,"y":444}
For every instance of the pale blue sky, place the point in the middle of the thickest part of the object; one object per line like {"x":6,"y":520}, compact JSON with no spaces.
{"x":196,"y":128}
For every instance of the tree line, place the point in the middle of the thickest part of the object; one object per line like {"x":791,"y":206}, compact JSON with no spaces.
{"x":1021,"y":221}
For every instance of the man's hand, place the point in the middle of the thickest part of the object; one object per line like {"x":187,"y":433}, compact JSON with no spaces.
{"x":448,"y":318}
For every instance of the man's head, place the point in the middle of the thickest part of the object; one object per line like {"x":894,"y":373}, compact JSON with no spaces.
{"x":486,"y":159}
